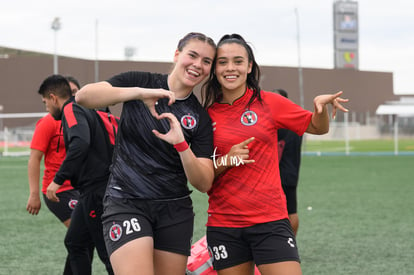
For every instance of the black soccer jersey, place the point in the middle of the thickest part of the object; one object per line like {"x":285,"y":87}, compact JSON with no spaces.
{"x":289,"y":163}
{"x":145,"y":166}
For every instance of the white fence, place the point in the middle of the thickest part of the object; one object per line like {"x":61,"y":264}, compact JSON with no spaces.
{"x":16,"y":141}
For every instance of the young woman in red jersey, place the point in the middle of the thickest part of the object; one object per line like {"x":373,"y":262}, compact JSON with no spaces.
{"x":247,"y":216}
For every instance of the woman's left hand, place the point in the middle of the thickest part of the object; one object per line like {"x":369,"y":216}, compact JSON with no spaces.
{"x":322,"y":100}
{"x":175,"y":134}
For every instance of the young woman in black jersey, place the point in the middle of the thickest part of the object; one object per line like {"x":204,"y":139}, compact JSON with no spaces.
{"x":164,"y":140}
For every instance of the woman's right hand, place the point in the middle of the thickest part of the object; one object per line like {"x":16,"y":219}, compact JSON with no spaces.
{"x":150,"y":97}
{"x":239,"y":153}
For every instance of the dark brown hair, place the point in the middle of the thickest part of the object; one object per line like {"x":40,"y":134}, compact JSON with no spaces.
{"x":211,"y":90}
{"x":195,"y":35}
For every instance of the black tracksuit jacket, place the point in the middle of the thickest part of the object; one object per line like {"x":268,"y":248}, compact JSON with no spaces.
{"x":88,"y":150}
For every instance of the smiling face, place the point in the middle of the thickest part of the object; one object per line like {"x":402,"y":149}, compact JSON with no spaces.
{"x":232,"y":68}
{"x":193,"y":63}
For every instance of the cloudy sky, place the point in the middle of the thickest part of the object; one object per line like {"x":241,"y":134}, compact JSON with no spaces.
{"x":103,"y":29}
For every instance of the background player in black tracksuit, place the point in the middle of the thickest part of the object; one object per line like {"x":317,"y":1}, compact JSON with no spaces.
{"x":88,"y":157}
{"x":289,"y":164}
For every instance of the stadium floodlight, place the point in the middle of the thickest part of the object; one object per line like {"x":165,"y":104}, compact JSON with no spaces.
{"x":56,"y":25}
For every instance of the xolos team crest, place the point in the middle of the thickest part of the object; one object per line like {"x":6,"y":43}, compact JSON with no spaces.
{"x":115,"y":232}
{"x":72,"y":203}
{"x":188,"y":121}
{"x":248,"y":118}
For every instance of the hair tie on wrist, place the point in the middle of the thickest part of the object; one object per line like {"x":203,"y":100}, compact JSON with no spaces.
{"x":182,"y":146}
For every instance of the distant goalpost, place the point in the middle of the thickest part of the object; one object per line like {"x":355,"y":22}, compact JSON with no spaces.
{"x":16,"y":141}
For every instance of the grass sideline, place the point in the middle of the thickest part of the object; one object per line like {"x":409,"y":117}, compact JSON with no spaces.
{"x":360,"y":222}
{"x":405,"y":145}
{"x":372,"y":146}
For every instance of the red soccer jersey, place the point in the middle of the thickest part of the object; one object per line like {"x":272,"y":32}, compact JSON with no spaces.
{"x":250,"y":194}
{"x":48,"y":138}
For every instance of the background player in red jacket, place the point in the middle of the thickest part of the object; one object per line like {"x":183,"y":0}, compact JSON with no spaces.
{"x":247,"y":217}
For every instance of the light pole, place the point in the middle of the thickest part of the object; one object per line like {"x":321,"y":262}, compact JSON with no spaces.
{"x":55,"y":27}
{"x":302,"y":98}
{"x":300,"y":74}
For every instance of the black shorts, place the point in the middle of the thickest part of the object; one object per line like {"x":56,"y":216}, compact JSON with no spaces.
{"x":64,"y":208}
{"x":170,"y":223}
{"x":264,"y":243}
{"x":291,"y":198}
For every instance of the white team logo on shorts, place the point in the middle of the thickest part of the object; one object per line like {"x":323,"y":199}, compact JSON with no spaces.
{"x":115,"y":232}
{"x":188,"y":121}
{"x":72,"y":203}
{"x":248,"y":118}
